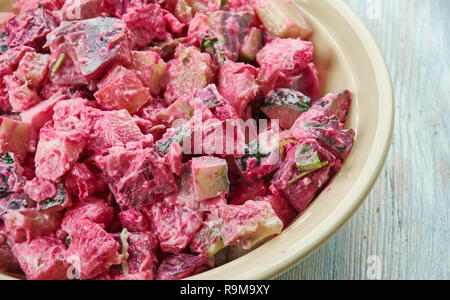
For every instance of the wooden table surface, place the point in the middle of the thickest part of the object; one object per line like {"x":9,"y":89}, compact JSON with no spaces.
{"x":404,"y":222}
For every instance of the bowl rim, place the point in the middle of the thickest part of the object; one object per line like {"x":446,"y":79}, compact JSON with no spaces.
{"x":380,"y":150}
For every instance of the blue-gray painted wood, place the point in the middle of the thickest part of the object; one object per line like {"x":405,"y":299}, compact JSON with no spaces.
{"x":404,"y":221}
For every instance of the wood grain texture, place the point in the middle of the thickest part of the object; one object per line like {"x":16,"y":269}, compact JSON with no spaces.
{"x":404,"y":221}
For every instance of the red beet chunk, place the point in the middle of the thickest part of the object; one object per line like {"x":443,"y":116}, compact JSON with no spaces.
{"x":136,"y":177}
{"x":180,"y":266}
{"x":30,"y":28}
{"x":42,"y":259}
{"x":92,"y":250}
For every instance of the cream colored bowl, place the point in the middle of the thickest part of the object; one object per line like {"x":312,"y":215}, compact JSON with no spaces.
{"x":347,"y":58}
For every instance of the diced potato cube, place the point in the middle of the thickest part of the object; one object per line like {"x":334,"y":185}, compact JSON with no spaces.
{"x":42,"y":259}
{"x":190,"y":71}
{"x":94,"y":210}
{"x":150,"y":68}
{"x":183,"y":11}
{"x":81,"y":9}
{"x":57,"y":152}
{"x":283,"y":18}
{"x":26,"y":224}
{"x":33,"y":68}
{"x":249,"y":224}
{"x":210,"y":177}
{"x":15,"y":137}
{"x":238,"y":85}
{"x":180,"y":109}
{"x":174,"y":225}
{"x":251,"y":45}
{"x":122,"y":89}
{"x":21,"y":97}
{"x":41,"y":113}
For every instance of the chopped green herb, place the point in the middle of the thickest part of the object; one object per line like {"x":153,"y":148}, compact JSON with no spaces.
{"x":307,"y":158}
{"x":295,"y":179}
{"x":59,"y":199}
{"x":4,"y":48}
{"x":180,"y":134}
{"x":223,"y":3}
{"x":7,"y":159}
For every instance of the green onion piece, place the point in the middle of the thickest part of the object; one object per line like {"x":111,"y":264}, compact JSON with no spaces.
{"x":58,"y":63}
{"x":295,"y":179}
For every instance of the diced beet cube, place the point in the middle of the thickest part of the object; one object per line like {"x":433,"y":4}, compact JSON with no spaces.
{"x":284,"y":210}
{"x":11,"y":58}
{"x":136,"y":177}
{"x":190,"y":71}
{"x":328,"y":131}
{"x":174,"y":159}
{"x":41,"y":113}
{"x":150,"y":68}
{"x":174,"y":225}
{"x":208,"y":240}
{"x":237,"y":83}
{"x":114,"y":128}
{"x":40,"y":189}
{"x":226,"y":34}
{"x":28,"y":223}
{"x":198,"y":29}
{"x":147,"y":24}
{"x":84,"y":180}
{"x":8,"y":262}
{"x":64,"y":73}
{"x":5,"y":107}
{"x":16,"y":137}
{"x":21,"y":97}
{"x":81,"y":9}
{"x":96,"y":210}
{"x":76,"y":115}
{"x":179,"y":266}
{"x":33,"y":68}
{"x":142,"y":261}
{"x":220,"y":107}
{"x":290,"y":56}
{"x":25,"y":5}
{"x":248,"y":224}
{"x":93,"y":44}
{"x":122,"y":89}
{"x":133,"y":220}
{"x":306,"y":169}
{"x":42,"y":259}
{"x":115,"y":8}
{"x":30,"y":28}
{"x":308,"y":82}
{"x":92,"y":250}
{"x":13,"y":202}
{"x":335,"y":104}
{"x":243,"y":192}
{"x":173,"y":24}
{"x":57,"y":152}
{"x":11,"y":174}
